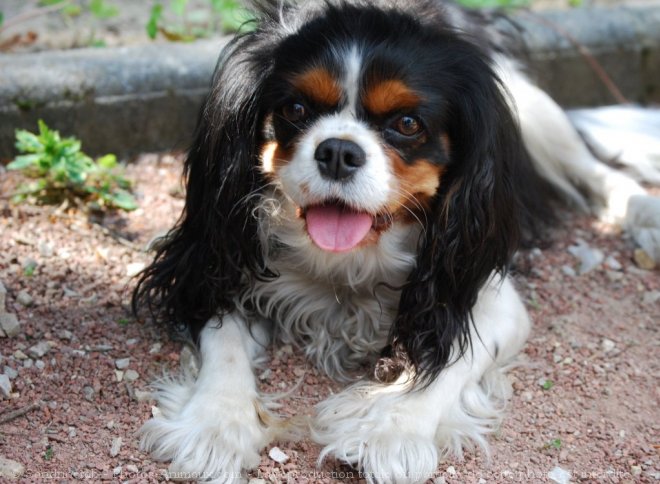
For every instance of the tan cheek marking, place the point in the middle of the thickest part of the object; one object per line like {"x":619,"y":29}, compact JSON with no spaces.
{"x":319,"y":85}
{"x":388,"y":96}
{"x":273,"y":157}
{"x":418,"y":183}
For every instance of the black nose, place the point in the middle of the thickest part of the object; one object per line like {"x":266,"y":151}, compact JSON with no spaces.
{"x":339,"y":159}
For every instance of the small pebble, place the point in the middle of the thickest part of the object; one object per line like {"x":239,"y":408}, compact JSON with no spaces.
{"x":9,"y":324}
{"x":119,"y":375}
{"x":3,"y":297}
{"x":568,"y":271}
{"x":5,"y":386}
{"x":72,"y":432}
{"x":643,"y":260}
{"x":29,"y":363}
{"x":155,"y":348}
{"x":122,"y":363}
{"x":115,"y":447}
{"x":134,"y":268}
{"x":24,"y":299}
{"x":607,"y":345}
{"x":39,"y":350}
{"x":116,"y":471}
{"x":19,"y":355}
{"x":10,"y":372}
{"x":131,"y":375}
{"x":589,"y":257}
{"x":45,"y":249}
{"x":88,"y":393}
{"x":65,"y":334}
{"x":10,"y":469}
{"x":613,"y":264}
{"x":143,"y":396}
{"x":40,"y":364}
{"x":132,"y":468}
{"x":266,"y":374}
{"x":277,"y":455}
{"x":451,"y":470}
{"x":110,"y":425}
{"x":256,"y":481}
{"x":651,"y":297}
{"x":559,"y":475}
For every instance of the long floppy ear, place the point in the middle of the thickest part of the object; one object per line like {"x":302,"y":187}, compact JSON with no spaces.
{"x":473,"y":227}
{"x":202,"y":263}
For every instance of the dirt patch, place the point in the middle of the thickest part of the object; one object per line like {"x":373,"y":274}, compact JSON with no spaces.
{"x":586,"y":396}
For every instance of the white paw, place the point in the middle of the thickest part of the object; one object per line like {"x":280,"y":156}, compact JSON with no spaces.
{"x":208,"y":438}
{"x":643,"y":223}
{"x":375,"y":432}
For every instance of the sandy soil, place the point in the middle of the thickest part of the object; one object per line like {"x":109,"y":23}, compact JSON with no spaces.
{"x":586,"y":396}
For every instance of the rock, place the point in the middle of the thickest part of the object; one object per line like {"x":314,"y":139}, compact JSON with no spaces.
{"x":614,"y":276}
{"x":5,"y":387}
{"x":613,"y":264}
{"x":9,"y":324}
{"x":19,"y":355}
{"x":88,"y":393}
{"x":119,"y":375}
{"x":134,"y":268}
{"x":116,"y":471}
{"x":40,"y":364}
{"x":589,"y":257}
{"x":39,"y":350}
{"x":254,"y":480}
{"x":122,"y":363}
{"x":559,"y":475}
{"x":651,"y":297}
{"x":568,"y":270}
{"x":45,"y":249}
{"x":24,"y":299}
{"x":29,"y":363}
{"x":643,"y":260}
{"x":266,"y":374}
{"x":132,"y":468}
{"x":277,"y":455}
{"x":10,"y":372}
{"x":3,"y":297}
{"x":607,"y":345}
{"x":115,"y":447}
{"x":65,"y":334}
{"x":155,"y":348}
{"x":10,"y":469}
{"x":451,"y":470}
{"x":131,"y":375}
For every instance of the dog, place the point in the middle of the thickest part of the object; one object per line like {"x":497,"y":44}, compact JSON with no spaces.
{"x":361,"y":176}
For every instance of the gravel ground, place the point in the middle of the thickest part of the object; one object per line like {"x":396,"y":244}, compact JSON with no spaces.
{"x":586,"y":394}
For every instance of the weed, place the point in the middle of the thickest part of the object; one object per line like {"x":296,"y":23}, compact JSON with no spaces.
{"x":63,"y":172}
{"x":48,"y":455}
{"x":548,"y":384}
{"x":123,"y":322}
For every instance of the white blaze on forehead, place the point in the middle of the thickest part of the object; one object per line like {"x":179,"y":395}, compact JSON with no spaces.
{"x":351,"y":81}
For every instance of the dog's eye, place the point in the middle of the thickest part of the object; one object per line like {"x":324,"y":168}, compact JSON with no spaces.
{"x":294,"y":112}
{"x":408,"y":125}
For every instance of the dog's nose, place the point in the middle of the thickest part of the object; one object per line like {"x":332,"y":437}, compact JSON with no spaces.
{"x":339,"y":159}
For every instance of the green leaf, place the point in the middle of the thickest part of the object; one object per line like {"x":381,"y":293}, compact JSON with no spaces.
{"x":27,"y":142}
{"x":547,"y":385}
{"x":2,"y":18}
{"x":154,"y":20}
{"x":100,"y":9}
{"x":124,"y":200}
{"x":23,"y":162}
{"x":107,"y":162}
{"x":46,"y":3}
{"x":179,"y":7}
{"x":72,"y":10}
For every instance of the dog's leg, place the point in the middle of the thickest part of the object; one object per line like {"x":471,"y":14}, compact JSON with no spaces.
{"x":397,"y":433}
{"x":214,"y":427}
{"x":561,"y":156}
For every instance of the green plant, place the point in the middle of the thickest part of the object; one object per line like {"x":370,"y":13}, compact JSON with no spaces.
{"x":123,"y":322}
{"x":548,"y":384}
{"x":63,"y":172}
{"x":48,"y":455}
{"x":556,"y":444}
{"x":181,"y":22}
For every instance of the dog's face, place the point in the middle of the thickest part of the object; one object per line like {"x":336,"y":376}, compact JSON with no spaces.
{"x":359,"y":133}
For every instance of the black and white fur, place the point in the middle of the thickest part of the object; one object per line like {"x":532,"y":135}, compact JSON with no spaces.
{"x":430,"y":299}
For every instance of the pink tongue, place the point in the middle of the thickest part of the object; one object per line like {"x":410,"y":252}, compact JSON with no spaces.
{"x":336,"y":228}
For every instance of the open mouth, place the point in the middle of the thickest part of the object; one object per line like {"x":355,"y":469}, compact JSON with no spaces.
{"x":336,"y":227}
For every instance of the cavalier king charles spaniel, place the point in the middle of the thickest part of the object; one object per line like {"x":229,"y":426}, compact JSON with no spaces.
{"x":362,"y":173}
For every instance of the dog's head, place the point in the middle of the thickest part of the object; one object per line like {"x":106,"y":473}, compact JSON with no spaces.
{"x":363,"y":117}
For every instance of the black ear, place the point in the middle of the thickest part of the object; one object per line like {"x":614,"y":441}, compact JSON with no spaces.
{"x":202,"y":263}
{"x":473,"y":228}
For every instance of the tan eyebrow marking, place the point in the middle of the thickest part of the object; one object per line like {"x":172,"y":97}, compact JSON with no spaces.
{"x":388,"y":96}
{"x":319,"y":85}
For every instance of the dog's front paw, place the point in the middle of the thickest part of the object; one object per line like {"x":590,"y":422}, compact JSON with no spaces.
{"x":374,"y":432}
{"x":643,"y":223}
{"x":212,"y":439}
